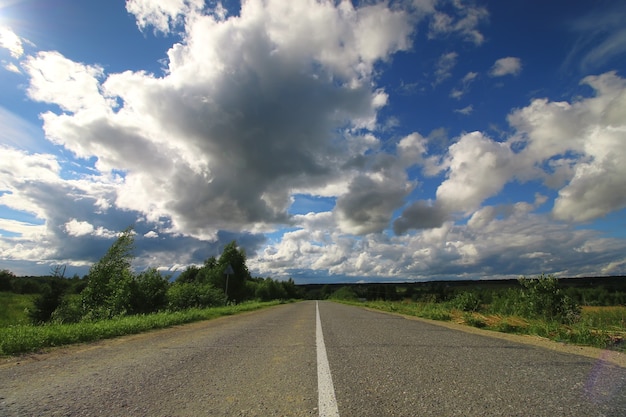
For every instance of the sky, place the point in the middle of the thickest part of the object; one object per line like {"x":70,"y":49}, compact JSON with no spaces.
{"x":335,"y":141}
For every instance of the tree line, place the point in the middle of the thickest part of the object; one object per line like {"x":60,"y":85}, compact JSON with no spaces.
{"x":113,"y":289}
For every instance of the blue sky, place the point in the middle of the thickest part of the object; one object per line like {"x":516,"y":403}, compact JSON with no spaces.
{"x":334,"y":141}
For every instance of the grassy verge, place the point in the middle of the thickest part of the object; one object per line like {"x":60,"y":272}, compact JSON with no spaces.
{"x":28,"y":338}
{"x":601,"y":327}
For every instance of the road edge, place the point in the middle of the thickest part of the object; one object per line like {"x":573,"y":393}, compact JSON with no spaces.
{"x":611,"y":356}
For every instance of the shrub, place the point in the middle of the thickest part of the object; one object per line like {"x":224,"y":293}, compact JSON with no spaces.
{"x":70,"y":310}
{"x":344,"y":293}
{"x":149,"y":292}
{"x":181,"y":296}
{"x":541,"y":298}
{"x":466,"y":301}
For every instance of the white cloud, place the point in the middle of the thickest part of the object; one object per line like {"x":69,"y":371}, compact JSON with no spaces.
{"x":163,"y":15}
{"x":12,"y":68}
{"x":506,"y":66}
{"x":583,"y":141}
{"x":72,"y":86}
{"x":253,"y":108}
{"x":507,"y":242}
{"x":465,"y":23}
{"x":78,"y":228}
{"x":10,"y":41}
{"x":478,"y":167}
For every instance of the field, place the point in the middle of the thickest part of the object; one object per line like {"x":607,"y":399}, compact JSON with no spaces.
{"x":13,"y":308}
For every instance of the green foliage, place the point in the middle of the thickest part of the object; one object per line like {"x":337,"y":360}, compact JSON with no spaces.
{"x":466,"y":301}
{"x":149,"y":292}
{"x":542,"y":298}
{"x":344,"y":293}
{"x":268,"y":289}
{"x":186,"y":295}
{"x":235,"y":284}
{"x":109,"y":283}
{"x":6,"y":278}
{"x":70,"y":310}
{"x":506,"y":302}
{"x":45,"y":303}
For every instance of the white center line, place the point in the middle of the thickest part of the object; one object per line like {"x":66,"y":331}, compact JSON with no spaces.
{"x":327,"y":403}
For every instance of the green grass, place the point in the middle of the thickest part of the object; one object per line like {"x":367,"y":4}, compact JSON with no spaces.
{"x":13,"y":308}
{"x":23,"y":338}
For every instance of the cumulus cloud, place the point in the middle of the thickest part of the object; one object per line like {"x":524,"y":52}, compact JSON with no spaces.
{"x":584,"y":141}
{"x":498,"y":241}
{"x":506,"y":66}
{"x":368,"y":205}
{"x":478,"y":167}
{"x":419,"y":215}
{"x":256,"y":107}
{"x":250,"y":111}
{"x":163,"y":15}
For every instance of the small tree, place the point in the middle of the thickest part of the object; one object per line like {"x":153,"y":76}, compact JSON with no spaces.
{"x":541,"y":297}
{"x":108,"y":291}
{"x":149,"y":291}
{"x":236,"y":258}
{"x":50,"y":297}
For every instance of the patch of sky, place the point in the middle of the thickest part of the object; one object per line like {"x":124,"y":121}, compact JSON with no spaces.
{"x":73,"y":169}
{"x":6,"y":233}
{"x":611,"y":225}
{"x":304,"y":204}
{"x":277,"y":236}
{"x":20,"y":216}
{"x":526,"y":192}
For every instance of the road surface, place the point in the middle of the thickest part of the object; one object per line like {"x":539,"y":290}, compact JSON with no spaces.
{"x":309,"y":359}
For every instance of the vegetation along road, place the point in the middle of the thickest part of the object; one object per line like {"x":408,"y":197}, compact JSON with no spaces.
{"x":275,"y":362}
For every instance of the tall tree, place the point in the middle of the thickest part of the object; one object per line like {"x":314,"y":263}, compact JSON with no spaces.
{"x":109,"y":283}
{"x":236,"y":258}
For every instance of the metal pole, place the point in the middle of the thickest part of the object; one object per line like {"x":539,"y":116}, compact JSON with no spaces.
{"x":226,"y":290}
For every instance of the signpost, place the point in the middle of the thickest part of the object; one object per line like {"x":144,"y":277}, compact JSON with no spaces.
{"x":228,"y":271}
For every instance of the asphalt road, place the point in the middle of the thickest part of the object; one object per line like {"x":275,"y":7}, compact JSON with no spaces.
{"x":266,"y":363}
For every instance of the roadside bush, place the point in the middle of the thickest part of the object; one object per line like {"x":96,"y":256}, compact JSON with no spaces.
{"x":70,"y":310}
{"x":466,"y":301}
{"x":541,"y":298}
{"x":149,"y":292}
{"x":344,"y":293}
{"x":269,"y":289}
{"x":181,"y":296}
